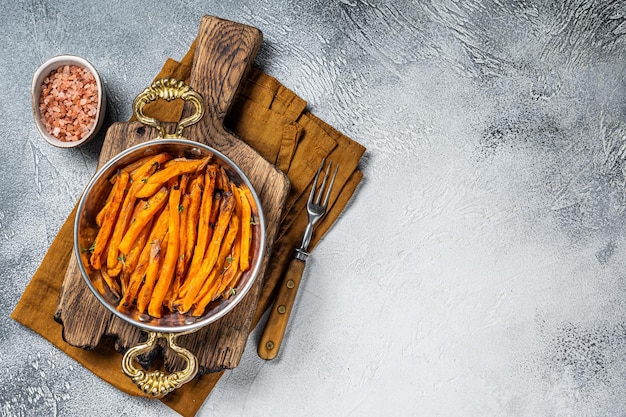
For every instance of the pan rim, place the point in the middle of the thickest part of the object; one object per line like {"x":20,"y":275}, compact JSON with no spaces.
{"x":204,"y":320}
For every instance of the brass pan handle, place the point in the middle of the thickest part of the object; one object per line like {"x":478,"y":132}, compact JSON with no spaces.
{"x":157,"y":383}
{"x":168,"y":89}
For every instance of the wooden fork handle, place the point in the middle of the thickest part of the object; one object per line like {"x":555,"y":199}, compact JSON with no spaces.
{"x":279,"y":316}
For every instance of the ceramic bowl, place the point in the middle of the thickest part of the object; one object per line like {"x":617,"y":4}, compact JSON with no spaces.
{"x":36,"y":90}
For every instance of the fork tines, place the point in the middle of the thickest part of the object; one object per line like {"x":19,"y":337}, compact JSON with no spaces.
{"x":321,"y":188}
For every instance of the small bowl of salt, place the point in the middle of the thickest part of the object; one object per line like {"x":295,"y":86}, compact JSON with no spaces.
{"x":69,"y":101}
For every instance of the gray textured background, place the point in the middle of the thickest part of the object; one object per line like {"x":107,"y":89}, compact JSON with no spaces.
{"x":480,"y":270}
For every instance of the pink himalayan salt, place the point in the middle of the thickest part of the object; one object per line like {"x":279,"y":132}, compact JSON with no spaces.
{"x":69,"y":102}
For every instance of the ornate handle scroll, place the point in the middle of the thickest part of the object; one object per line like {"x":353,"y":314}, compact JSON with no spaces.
{"x":168,"y":89}
{"x":158,"y":383}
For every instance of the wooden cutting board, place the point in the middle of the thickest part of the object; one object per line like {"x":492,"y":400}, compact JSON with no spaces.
{"x":224,"y":52}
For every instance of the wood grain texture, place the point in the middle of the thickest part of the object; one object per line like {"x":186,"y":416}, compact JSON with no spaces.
{"x":274,"y":331}
{"x":225,"y":51}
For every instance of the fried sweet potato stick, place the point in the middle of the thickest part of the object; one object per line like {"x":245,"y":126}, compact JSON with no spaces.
{"x":181,"y":263}
{"x":111,"y":283}
{"x":223,"y":183}
{"x":196,"y":281}
{"x":174,"y":169}
{"x":215,"y":208}
{"x":98,"y":283}
{"x":246,"y":231}
{"x":234,"y":189}
{"x":230,"y":281}
{"x":96,"y":279}
{"x":132,"y":167}
{"x":149,"y":166}
{"x":157,"y":253}
{"x":102,"y":212}
{"x":150,"y":207}
{"x":224,"y":260}
{"x":183,"y":210}
{"x":233,"y":269}
{"x":168,"y":267}
{"x":230,"y":288}
{"x":184,"y":180}
{"x":105,"y":207}
{"x":109,"y":220}
{"x":128,"y":263}
{"x":224,"y":257}
{"x":123,"y":260}
{"x":203,"y":221}
{"x":246,"y":191}
{"x":160,"y":226}
{"x":196,"y":185}
{"x":143,"y":172}
{"x":232,"y":273}
{"x":204,"y":297}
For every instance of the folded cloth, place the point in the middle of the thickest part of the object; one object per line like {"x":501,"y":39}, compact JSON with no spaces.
{"x":275,"y":122}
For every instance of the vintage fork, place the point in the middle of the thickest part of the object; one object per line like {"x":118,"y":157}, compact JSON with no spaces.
{"x":279,"y":316}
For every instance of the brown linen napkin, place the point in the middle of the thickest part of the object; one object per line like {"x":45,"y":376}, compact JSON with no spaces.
{"x":273,"y":120}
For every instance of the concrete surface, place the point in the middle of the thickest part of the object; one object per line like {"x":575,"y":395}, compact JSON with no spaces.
{"x":478,"y":272}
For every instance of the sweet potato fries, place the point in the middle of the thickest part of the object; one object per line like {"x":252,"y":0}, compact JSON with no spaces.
{"x":174,"y":234}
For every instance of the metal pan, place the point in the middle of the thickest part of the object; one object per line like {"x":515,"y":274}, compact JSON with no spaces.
{"x":172,"y":325}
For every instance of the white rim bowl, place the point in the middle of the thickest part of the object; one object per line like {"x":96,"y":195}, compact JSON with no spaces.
{"x":42,"y":72}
